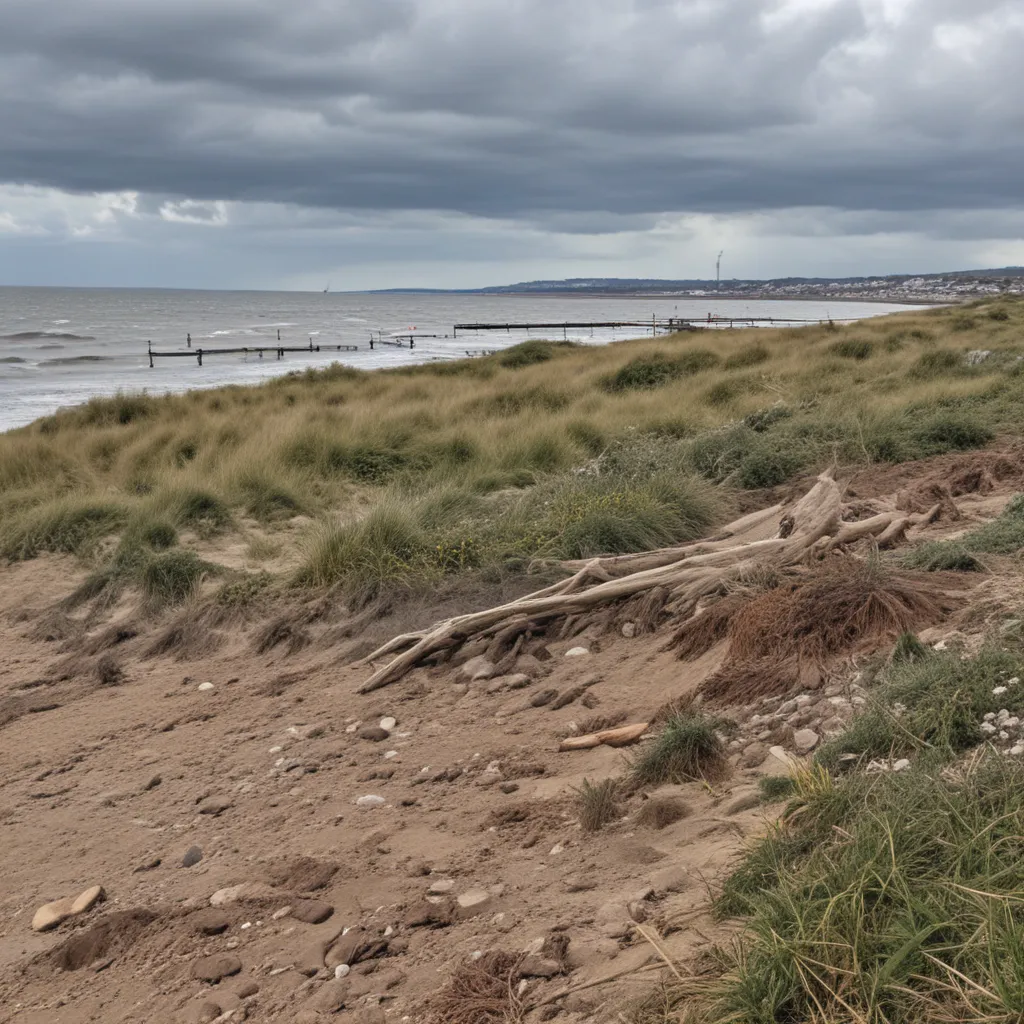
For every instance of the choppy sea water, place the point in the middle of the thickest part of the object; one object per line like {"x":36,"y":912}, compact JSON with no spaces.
{"x":62,"y":346}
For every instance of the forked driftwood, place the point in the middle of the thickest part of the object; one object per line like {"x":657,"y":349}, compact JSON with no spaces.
{"x":810,"y":528}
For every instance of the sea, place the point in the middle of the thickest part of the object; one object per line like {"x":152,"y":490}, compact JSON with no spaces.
{"x":63,"y":346}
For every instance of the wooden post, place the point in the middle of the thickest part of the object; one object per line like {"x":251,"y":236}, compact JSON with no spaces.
{"x":150,"y":344}
{"x":199,"y":355}
{"x":278,"y":334}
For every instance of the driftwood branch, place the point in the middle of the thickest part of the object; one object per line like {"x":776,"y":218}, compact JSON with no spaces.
{"x":807,"y":529}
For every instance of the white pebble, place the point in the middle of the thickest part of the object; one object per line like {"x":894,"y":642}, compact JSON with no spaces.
{"x":246,"y":924}
{"x":388,"y":754}
{"x":476,"y":954}
{"x":940,"y":646}
{"x":998,"y":691}
{"x":387,"y":724}
{"x":1017,"y":749}
{"x":1013,"y":682}
{"x":901,"y":765}
{"x":1004,"y":735}
{"x":352,"y":728}
{"x":205,"y":686}
{"x":556,"y":849}
{"x":988,"y":728}
{"x":341,"y":970}
{"x":989,"y":715}
{"x":275,"y":750}
{"x":388,"y":932}
{"x":576,"y":652}
{"x":370,"y":800}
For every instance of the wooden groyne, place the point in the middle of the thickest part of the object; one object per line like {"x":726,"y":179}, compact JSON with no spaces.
{"x":664,"y":325}
{"x":278,"y":350}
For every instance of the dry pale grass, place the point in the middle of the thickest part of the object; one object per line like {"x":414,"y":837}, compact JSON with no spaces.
{"x":661,"y":811}
{"x":834,"y":608}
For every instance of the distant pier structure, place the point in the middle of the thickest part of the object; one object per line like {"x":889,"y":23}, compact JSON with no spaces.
{"x":277,"y":349}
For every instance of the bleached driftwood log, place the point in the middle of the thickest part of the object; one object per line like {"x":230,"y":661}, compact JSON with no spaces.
{"x":811,"y":527}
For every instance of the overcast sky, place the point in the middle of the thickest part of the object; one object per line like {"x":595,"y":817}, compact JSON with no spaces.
{"x":460,"y":143}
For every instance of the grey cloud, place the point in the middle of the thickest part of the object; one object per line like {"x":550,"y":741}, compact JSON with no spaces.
{"x":531,"y":110}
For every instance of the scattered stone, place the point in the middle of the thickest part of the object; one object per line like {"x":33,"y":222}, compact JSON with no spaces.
{"x":508,"y":787}
{"x":210,"y":922}
{"x":441,"y":886}
{"x":311,"y":960}
{"x":87,"y":900}
{"x":534,"y":966}
{"x":629,"y":630}
{"x":370,"y":800}
{"x":473,"y":902}
{"x":246,"y":989}
{"x":753,"y":755}
{"x":203,"y":1012}
{"x":516,"y":681}
{"x":672,"y":879}
{"x":388,"y":723}
{"x":805,"y":740}
{"x":204,"y":687}
{"x":331,"y":997}
{"x":311,"y":911}
{"x":580,"y":884}
{"x":148,"y":865}
{"x":152,"y":784}
{"x":193,"y":855}
{"x":577,"y":652}
{"x":544,"y":697}
{"x":244,"y":891}
{"x":212,"y":969}
{"x":373,"y":733}
{"x":214,"y":805}
{"x":478,"y":668}
{"x":341,"y":971}
{"x":51,"y":914}
{"x":427,"y":914}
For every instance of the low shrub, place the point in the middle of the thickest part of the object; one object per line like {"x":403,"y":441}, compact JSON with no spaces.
{"x":659,"y":370}
{"x":686,"y":749}
{"x":751,"y":355}
{"x":941,"y":556}
{"x":529,"y":353}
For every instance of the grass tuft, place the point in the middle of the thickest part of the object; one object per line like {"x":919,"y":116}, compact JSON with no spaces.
{"x":597,"y":804}
{"x":686,"y":749}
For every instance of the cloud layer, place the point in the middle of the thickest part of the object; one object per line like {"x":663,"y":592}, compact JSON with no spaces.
{"x":328,"y":125}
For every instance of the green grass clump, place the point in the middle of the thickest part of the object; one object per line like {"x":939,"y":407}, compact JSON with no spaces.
{"x":597,"y":804}
{"x":529,"y":353}
{"x":173,"y":577}
{"x":657,"y":371}
{"x":938,"y":362}
{"x":686,"y":749}
{"x":1004,"y":535}
{"x":72,"y":526}
{"x":750,"y":355}
{"x":942,"y":556}
{"x":885,"y":899}
{"x":851,"y":348}
{"x":932,"y":705}
{"x":775,"y":788}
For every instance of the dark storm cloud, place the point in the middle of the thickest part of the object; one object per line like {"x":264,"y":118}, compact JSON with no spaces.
{"x":515,"y":108}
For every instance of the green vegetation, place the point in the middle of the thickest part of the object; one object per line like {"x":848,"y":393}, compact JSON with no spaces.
{"x":887,"y":898}
{"x":1002,"y":536}
{"x":686,"y":749}
{"x":487,"y":465}
{"x":597,"y":804}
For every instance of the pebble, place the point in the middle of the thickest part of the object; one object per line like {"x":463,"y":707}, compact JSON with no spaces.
{"x":373,"y":733}
{"x":212,"y":968}
{"x":473,"y":902}
{"x":387,"y":724}
{"x":629,"y":630}
{"x":215,"y":805}
{"x":278,"y":914}
{"x":204,"y":687}
{"x":246,"y":989}
{"x":389,"y":754}
{"x":441,"y":886}
{"x":370,"y":800}
{"x":311,"y":911}
{"x":148,"y":865}
{"x":193,"y":855}
{"x":51,"y":914}
{"x":210,"y":922}
{"x":805,"y":740}
{"x":577,"y":652}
